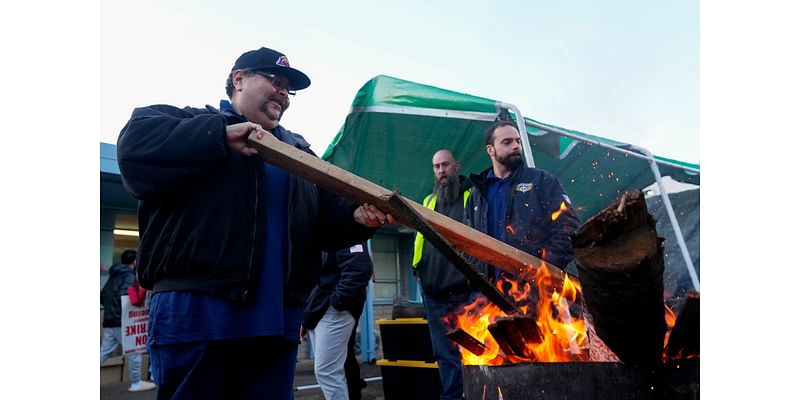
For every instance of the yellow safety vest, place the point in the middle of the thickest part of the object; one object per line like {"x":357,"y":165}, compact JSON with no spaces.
{"x":430,"y":203}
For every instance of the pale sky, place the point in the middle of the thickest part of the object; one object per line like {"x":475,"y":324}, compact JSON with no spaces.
{"x":625,"y":70}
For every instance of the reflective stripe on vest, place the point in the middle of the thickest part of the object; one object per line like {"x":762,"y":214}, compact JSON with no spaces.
{"x":430,"y":203}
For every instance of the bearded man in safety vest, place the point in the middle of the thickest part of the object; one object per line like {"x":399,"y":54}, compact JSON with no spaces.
{"x":444,"y":288}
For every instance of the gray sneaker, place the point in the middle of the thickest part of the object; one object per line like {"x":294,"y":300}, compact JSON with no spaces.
{"x":141,"y":386}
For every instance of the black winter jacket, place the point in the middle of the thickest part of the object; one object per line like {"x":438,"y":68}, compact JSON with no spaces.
{"x":534,"y":196}
{"x":201,"y":213}
{"x":342,"y":284}
{"x":437,"y":275}
{"x":121,"y":277}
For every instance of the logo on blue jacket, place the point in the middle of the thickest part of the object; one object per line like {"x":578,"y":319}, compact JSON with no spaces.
{"x":524,"y":187}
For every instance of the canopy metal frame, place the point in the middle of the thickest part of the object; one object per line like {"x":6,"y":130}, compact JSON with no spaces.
{"x":640,"y":153}
{"x":521,"y":122}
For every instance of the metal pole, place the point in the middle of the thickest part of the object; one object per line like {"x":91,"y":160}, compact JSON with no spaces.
{"x":367,"y":321}
{"x":672,"y":219}
{"x":606,"y":146}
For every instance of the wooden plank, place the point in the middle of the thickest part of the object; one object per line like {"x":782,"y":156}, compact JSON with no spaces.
{"x":359,"y":190}
{"x":467,"y":341}
{"x":404,"y":210}
{"x":513,"y":334}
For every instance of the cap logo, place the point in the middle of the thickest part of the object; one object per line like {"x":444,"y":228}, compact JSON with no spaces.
{"x":282,"y":61}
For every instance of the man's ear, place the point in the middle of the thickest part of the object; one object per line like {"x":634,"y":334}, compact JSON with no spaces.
{"x":237,"y":78}
{"x":490,"y":150}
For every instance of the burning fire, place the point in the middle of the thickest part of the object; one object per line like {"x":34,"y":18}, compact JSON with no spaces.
{"x":561,"y":209}
{"x":563,"y":337}
{"x":669,"y":317}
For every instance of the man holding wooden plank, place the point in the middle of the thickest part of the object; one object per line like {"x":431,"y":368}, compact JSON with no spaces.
{"x":230,"y":245}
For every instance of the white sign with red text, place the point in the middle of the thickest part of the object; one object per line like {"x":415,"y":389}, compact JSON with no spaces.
{"x":134,"y":327}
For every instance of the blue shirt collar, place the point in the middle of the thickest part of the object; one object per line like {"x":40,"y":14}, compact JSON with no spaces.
{"x":492,"y":176}
{"x":226,"y":106}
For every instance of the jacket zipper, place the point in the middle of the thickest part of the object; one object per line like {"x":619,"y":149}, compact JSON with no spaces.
{"x":253,"y":247}
{"x":289,"y":207}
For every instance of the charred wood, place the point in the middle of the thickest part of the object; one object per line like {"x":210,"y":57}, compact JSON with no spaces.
{"x":467,"y":341}
{"x":621,"y":267}
{"x":513,"y":334}
{"x":684,"y":340}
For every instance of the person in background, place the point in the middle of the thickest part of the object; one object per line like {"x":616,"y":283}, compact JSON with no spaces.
{"x":352,"y":370}
{"x":444,"y":288}
{"x":331,"y":316}
{"x":526,"y":208}
{"x":122,"y":276}
{"x":230,"y":244}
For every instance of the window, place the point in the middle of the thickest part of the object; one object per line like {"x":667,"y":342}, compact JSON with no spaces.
{"x":387,"y":269}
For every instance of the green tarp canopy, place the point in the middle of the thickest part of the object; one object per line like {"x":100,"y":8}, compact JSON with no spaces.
{"x":395,"y":126}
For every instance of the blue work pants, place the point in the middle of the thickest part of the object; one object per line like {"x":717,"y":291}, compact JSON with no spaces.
{"x":446,"y":352}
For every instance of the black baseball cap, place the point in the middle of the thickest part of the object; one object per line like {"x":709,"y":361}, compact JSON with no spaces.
{"x":265,"y":59}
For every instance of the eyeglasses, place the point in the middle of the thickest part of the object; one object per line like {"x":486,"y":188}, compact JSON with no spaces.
{"x":279,"y":82}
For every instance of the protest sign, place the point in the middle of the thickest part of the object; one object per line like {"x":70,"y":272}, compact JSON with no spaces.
{"x":134,"y":327}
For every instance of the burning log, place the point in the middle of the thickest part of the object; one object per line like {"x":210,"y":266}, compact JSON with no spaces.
{"x":620,"y":265}
{"x":513,"y":334}
{"x":684,"y":340}
{"x":467,"y":341}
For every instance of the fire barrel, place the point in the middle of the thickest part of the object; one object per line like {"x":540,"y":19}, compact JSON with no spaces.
{"x":583,"y":380}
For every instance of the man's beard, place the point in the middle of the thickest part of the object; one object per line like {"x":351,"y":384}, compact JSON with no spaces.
{"x":448,"y":189}
{"x":512,"y":161}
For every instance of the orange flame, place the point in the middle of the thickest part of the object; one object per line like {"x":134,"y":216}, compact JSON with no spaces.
{"x":670,"y":317}
{"x":561,"y":209}
{"x":563,"y":336}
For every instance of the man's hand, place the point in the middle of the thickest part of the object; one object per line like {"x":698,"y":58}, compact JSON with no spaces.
{"x":371,"y":217}
{"x":236,"y":137}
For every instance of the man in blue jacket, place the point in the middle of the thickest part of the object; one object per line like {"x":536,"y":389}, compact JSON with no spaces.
{"x":229,"y":244}
{"x":331,"y":317}
{"x":526,"y":208}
